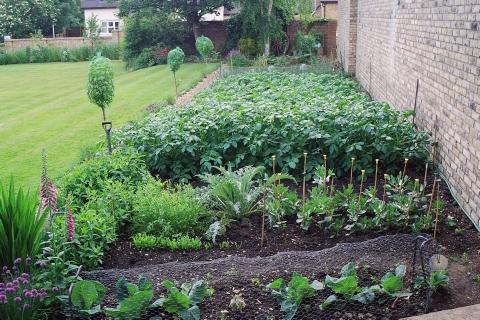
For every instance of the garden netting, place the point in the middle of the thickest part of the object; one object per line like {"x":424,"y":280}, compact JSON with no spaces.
{"x":248,"y":278}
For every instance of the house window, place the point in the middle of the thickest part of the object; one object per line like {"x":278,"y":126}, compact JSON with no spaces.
{"x":110,"y":26}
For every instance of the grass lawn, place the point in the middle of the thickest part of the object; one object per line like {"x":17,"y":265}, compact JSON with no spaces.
{"x":45,"y":106}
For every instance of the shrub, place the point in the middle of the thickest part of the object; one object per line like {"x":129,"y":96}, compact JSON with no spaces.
{"x":43,"y":53}
{"x":100,"y":89}
{"x":94,"y":232}
{"x":96,"y":174}
{"x":306,"y":44}
{"x":245,"y":119}
{"x":249,"y":47}
{"x":175,"y":59}
{"x":162,"y":210}
{"x":151,"y":29}
{"x":144,"y":60}
{"x":21,"y":224}
{"x":205,"y":47}
{"x":145,"y":241}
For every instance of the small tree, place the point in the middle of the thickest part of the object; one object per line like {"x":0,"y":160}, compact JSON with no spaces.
{"x":100,"y":89}
{"x":204,"y":46}
{"x":92,"y":31}
{"x":175,"y":60}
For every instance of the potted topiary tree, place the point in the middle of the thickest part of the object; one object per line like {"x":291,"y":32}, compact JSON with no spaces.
{"x":175,"y":60}
{"x":100,"y":89}
{"x":205,"y":47}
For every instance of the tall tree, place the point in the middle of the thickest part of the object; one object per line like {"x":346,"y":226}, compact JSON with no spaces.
{"x":266,"y":18}
{"x":189,"y":10}
{"x":21,"y":18}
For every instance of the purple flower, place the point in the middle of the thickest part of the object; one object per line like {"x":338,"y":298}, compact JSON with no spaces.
{"x":16,"y":282}
{"x":70,"y":226}
{"x":34,"y":292}
{"x":17,"y":261}
{"x":2,"y":285}
{"x":55,"y":289}
{"x":28,"y":260}
{"x":9,"y":285}
{"x":25,"y":281}
{"x":10,"y":290}
{"x":3,"y":298}
{"x":26,"y":306}
{"x":28,"y":294}
{"x":5,"y":268}
{"x":25,"y":275}
{"x":41,"y":263}
{"x":17,"y":299}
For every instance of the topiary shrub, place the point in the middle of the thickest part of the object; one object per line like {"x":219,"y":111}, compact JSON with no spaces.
{"x":205,"y":47}
{"x":100,"y":89}
{"x":175,"y":60}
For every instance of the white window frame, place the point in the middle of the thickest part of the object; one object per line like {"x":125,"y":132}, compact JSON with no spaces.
{"x":108,"y":26}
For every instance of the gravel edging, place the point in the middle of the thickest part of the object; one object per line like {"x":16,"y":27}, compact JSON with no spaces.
{"x":205,"y":83}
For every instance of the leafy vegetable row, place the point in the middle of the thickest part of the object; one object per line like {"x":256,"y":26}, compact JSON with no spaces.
{"x":245,"y":119}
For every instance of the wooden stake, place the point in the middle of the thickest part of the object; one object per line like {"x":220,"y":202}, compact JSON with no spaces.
{"x":273,"y":163}
{"x":325,"y":174}
{"x":332,"y":185}
{"x":384,"y":186}
{"x":437,"y":210}
{"x":433,"y":193}
{"x":376,"y":174}
{"x":405,"y":168}
{"x":425,"y":178}
{"x":361,"y":185}
{"x":263,"y":223}
{"x":304,"y":176}
{"x":351,"y":172}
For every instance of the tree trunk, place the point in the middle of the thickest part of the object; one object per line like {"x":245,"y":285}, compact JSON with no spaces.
{"x":267,"y":38}
{"x":196,"y":30}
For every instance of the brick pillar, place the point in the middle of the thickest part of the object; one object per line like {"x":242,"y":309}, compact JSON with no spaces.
{"x":347,"y":34}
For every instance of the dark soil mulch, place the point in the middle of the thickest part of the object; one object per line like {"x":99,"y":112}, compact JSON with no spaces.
{"x":231,"y":270}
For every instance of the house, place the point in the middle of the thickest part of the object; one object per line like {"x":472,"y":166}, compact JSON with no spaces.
{"x":106,"y":12}
{"x":326,"y":9}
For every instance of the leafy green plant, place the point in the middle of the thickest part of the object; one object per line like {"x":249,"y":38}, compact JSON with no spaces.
{"x":184,"y":302}
{"x":87,"y":295}
{"x":291,"y":295}
{"x":94,"y":233}
{"x":204,"y":46}
{"x":243,"y":119}
{"x":392,"y":283}
{"x":167,"y":211}
{"x":175,"y":60}
{"x":233,"y":193}
{"x":21,"y":224}
{"x":133,"y":300}
{"x":144,"y":241}
{"x":95,"y":175}
{"x":435,"y":281}
{"x":280,"y":202}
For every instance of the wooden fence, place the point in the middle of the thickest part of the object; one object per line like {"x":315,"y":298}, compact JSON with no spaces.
{"x":75,"y":42}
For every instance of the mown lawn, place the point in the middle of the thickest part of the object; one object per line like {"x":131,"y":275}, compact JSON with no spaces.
{"x":45,"y":106}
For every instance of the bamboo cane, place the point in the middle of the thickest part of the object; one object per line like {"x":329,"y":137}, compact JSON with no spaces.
{"x":384,"y":187}
{"x":325,"y":174}
{"x":433,"y":193}
{"x":361,"y":186}
{"x":332,"y":186}
{"x":425,"y":178}
{"x":351,"y":172}
{"x":304,"y":177}
{"x":437,"y":210}
{"x":376,"y":174}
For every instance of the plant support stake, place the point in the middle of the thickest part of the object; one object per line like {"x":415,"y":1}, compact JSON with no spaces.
{"x":351,"y":172}
{"x":433,"y":193}
{"x":304,"y":176}
{"x":361,"y":186}
{"x":425,"y":178}
{"x":385,"y":176}
{"x":376,"y":174}
{"x":325,"y":174}
{"x":107,"y":126}
{"x":437,"y":210}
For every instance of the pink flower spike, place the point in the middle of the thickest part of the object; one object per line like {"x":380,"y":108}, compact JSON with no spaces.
{"x":70,"y":226}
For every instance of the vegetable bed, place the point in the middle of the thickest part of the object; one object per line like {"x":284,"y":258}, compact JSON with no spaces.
{"x":245,"y":119}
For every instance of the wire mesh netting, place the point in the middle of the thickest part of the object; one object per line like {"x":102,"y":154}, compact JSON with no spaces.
{"x":248,"y":277}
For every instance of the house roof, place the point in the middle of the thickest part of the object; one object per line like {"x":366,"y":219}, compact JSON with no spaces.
{"x":98,"y":4}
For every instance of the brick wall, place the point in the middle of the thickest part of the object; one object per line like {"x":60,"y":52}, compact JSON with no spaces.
{"x":347,"y":34}
{"x":328,"y":29}
{"x":438,"y":43}
{"x":215,"y":30}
